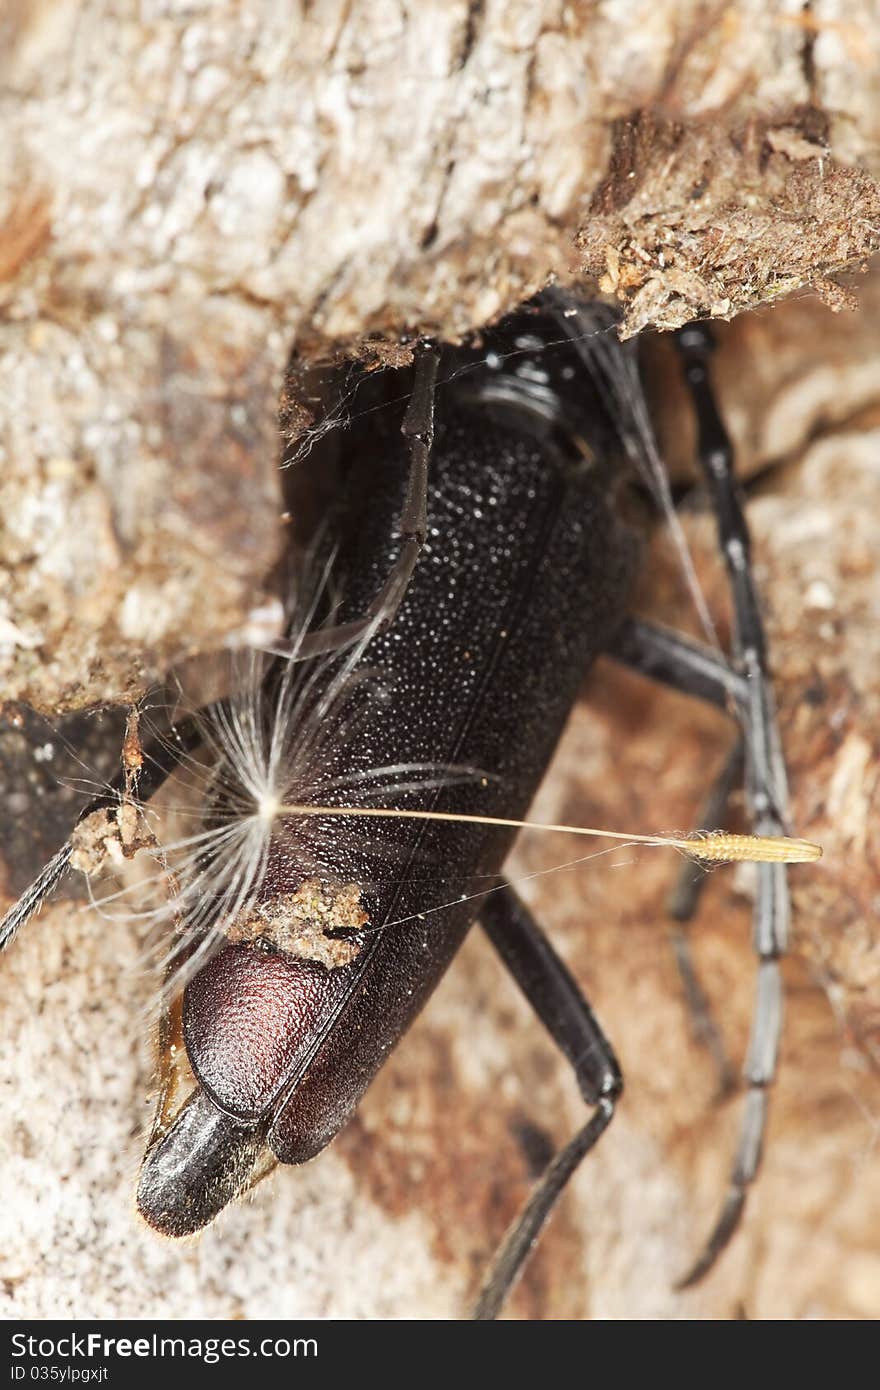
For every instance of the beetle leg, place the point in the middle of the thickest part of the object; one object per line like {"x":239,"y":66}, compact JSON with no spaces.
{"x":32,"y":898}
{"x":161,"y":756}
{"x":565,"y":1013}
{"x":678,"y":662}
{"x":418,"y":430}
{"x":692,"y":669}
{"x":766,"y":789}
{"x":681,"y":905}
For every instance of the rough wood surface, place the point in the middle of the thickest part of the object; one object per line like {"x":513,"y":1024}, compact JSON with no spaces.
{"x":187,"y":190}
{"x":397,"y":1217}
{"x":190,"y":194}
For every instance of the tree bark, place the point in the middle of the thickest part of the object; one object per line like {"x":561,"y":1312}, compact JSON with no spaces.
{"x":188,"y":194}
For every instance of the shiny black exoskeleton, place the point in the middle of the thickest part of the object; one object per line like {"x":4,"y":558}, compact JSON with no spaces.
{"x":475,"y":561}
{"x":522,"y":578}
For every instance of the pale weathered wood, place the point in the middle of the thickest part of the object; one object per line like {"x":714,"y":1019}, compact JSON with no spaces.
{"x":188,"y":193}
{"x":185,"y":191}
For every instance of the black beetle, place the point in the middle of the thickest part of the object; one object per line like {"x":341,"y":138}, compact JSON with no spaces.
{"x":483,"y":564}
